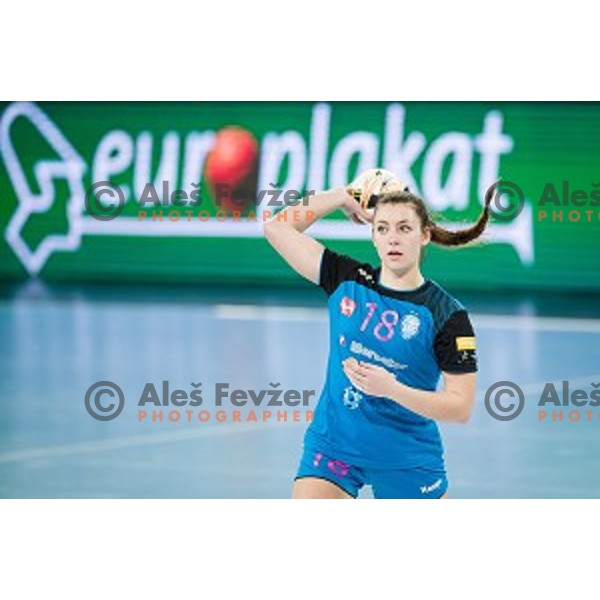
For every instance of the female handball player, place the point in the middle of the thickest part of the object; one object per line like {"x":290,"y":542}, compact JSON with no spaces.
{"x":392,"y":334}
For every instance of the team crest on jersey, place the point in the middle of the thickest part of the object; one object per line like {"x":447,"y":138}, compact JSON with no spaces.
{"x":351,"y":398}
{"x":347,"y":306}
{"x":410,"y":325}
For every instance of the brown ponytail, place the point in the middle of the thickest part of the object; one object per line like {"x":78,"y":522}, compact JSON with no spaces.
{"x":439,"y":235}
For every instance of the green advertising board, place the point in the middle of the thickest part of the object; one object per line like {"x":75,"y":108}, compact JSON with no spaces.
{"x":449,"y":153}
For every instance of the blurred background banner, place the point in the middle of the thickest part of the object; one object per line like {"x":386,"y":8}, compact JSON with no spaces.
{"x":132,"y":257}
{"x":449,"y":153}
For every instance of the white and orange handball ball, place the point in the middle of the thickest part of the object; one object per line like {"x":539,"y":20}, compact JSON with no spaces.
{"x":370,"y":184}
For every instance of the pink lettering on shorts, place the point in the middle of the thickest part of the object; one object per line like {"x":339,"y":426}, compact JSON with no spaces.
{"x":338,"y":467}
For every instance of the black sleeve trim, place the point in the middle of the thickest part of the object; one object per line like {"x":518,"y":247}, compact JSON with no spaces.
{"x":334,"y":269}
{"x":454,"y":346}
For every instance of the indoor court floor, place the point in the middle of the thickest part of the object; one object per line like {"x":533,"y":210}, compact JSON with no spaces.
{"x":58,"y":340}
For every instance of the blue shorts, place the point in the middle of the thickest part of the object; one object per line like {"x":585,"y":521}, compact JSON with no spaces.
{"x":386,"y":483}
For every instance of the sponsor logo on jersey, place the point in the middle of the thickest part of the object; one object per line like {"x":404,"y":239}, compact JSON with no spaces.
{"x":351,"y":398}
{"x":365,"y":275}
{"x":358,"y":348}
{"x":466,"y":356}
{"x":465,"y":343}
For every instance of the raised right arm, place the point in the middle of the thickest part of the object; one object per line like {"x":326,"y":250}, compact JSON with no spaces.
{"x":285,"y":232}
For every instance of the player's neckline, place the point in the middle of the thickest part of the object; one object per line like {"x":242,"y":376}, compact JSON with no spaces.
{"x":409,"y":292}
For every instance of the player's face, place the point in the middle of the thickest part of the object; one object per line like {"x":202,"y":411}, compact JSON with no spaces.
{"x":398,"y":236}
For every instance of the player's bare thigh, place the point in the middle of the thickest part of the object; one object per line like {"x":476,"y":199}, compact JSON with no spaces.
{"x":314,"y":488}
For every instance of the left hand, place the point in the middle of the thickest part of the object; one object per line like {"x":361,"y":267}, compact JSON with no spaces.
{"x":368,"y":378}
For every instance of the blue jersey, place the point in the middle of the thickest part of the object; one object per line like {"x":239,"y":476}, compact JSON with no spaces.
{"x":415,"y":334}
